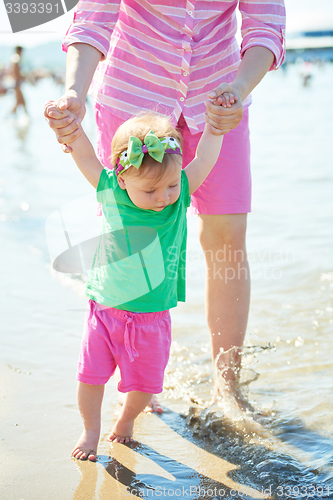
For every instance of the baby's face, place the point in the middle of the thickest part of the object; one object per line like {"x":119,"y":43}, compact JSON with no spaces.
{"x":153,"y":193}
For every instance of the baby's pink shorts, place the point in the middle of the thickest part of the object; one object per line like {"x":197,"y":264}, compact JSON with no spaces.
{"x":139,"y":343}
{"x":227,"y":189}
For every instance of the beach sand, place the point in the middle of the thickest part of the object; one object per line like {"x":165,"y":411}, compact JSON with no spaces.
{"x":39,"y":419}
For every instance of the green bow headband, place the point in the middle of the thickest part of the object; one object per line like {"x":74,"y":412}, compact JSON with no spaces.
{"x":155,"y":147}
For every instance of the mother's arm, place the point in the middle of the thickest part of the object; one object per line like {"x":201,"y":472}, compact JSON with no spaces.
{"x":262,"y":49}
{"x":255,"y":64}
{"x":82,"y":60}
{"x":87,"y":41}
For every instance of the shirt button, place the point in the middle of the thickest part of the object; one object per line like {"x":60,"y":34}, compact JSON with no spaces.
{"x":182,"y":99}
{"x":190,"y":12}
{"x":185,"y":73}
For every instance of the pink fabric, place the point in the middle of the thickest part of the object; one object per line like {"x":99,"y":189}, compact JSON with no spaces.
{"x":227,"y":189}
{"x":139,"y":343}
{"x":166,"y":56}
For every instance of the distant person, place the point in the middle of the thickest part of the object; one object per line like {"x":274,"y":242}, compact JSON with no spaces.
{"x":143,"y":191}
{"x":306,"y":74}
{"x":18,"y":79}
{"x":3,"y":89}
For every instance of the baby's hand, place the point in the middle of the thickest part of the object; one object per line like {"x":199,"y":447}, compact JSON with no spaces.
{"x":227,"y":99}
{"x":51,"y":110}
{"x":61,"y":119}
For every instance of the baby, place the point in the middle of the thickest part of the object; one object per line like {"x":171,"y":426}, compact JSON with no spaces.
{"x":138,"y":272}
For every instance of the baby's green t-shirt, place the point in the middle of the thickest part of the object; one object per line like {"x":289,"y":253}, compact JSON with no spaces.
{"x":140,"y":261}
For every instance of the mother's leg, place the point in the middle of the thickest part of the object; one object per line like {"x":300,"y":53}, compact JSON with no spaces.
{"x":227,"y":291}
{"x":222,"y":202}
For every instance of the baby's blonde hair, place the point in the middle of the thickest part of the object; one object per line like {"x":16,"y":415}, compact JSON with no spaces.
{"x":139,"y":126}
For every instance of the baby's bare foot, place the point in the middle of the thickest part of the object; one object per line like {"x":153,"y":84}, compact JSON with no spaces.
{"x":86,"y":447}
{"x":154,"y":406}
{"x":122,"y":431}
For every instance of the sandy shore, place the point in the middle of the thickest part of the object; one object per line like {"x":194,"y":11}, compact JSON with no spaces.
{"x":39,"y":419}
{"x":40,"y":422}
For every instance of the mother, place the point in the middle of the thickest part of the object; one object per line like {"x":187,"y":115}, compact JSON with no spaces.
{"x":169,"y":56}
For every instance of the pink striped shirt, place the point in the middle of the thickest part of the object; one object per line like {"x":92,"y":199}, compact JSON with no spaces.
{"x":167,"y":55}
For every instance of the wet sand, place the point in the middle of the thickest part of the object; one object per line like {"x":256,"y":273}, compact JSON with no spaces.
{"x":40,"y":421}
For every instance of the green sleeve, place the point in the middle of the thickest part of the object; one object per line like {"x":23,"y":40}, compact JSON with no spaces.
{"x":185,"y":191}
{"x":106,"y":181}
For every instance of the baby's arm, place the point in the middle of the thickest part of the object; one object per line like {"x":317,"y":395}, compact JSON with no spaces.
{"x":208,"y":150}
{"x":206,"y":156}
{"x":84,"y":156}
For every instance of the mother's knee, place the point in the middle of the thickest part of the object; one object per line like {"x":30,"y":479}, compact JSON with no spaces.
{"x":217,"y":232}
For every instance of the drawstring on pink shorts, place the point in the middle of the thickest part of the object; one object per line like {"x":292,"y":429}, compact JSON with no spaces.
{"x":129,"y":338}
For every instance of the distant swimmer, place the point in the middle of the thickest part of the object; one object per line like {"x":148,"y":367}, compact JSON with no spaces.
{"x":18,"y":79}
{"x":3,"y":89}
{"x":306,"y":74}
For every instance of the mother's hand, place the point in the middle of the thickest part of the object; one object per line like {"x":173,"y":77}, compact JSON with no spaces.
{"x":223,"y":119}
{"x":64,"y":117}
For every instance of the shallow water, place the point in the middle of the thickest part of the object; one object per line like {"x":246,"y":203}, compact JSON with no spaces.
{"x":290,"y":242}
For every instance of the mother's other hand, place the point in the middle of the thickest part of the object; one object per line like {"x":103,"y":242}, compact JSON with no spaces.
{"x":64,"y":117}
{"x":223,"y":119}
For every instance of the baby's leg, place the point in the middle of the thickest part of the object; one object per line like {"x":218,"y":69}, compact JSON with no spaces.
{"x":152,"y":407}
{"x":135,"y":402}
{"x":90,"y":402}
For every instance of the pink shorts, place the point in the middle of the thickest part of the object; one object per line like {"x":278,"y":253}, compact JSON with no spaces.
{"x":139,"y":343}
{"x":227,"y":189}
